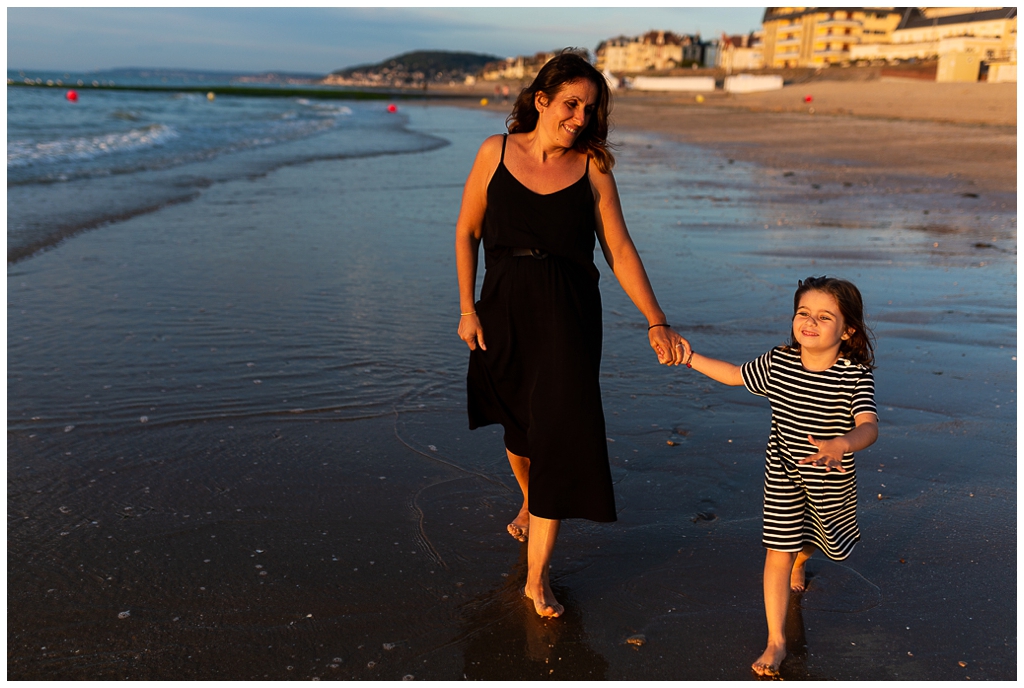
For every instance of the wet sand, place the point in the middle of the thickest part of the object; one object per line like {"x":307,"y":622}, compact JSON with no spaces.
{"x":337,"y":520}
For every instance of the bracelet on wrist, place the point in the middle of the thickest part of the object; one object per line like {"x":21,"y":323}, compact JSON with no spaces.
{"x":470,"y":313}
{"x":688,"y":359}
{"x":658,"y":325}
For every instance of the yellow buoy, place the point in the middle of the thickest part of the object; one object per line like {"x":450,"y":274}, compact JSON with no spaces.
{"x":210,"y":95}
{"x":700,"y":99}
{"x":483,"y":101}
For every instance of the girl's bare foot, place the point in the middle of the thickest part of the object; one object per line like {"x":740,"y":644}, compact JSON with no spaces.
{"x":768,"y":663}
{"x":520,"y":527}
{"x":544,"y":601}
{"x":798,"y":575}
{"x":798,"y":578}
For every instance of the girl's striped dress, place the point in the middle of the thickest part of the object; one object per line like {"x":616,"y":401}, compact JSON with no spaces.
{"x":804,"y":504}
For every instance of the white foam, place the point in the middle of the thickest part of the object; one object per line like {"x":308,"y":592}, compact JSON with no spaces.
{"x":24,"y":153}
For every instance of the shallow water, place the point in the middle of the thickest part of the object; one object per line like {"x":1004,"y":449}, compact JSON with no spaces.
{"x":112,"y":155}
{"x":241,"y":421}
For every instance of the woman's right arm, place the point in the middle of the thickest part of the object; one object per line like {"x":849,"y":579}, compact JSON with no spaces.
{"x":726,"y":373}
{"x":468,"y":231}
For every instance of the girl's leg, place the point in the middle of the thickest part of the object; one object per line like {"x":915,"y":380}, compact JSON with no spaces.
{"x":778,"y":567}
{"x":519,"y":528}
{"x":798,"y":579}
{"x":543,"y":532}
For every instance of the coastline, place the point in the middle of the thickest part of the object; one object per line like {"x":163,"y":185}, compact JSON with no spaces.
{"x":859,"y":131}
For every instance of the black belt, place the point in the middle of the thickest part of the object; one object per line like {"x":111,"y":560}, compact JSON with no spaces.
{"x":535,"y":252}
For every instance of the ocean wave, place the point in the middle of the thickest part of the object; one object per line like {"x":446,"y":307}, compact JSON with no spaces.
{"x":25,"y":153}
{"x":329,"y":110}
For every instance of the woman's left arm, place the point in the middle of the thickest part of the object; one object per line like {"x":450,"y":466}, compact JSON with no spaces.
{"x":622,"y":257}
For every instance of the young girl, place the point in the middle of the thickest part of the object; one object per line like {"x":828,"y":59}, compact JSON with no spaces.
{"x":822,"y":397}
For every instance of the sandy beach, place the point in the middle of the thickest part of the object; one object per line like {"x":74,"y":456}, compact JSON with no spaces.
{"x":860,"y":131}
{"x":237,"y":444}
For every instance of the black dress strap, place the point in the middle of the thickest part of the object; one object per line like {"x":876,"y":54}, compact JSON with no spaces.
{"x":504,"y":140}
{"x":586,"y":171}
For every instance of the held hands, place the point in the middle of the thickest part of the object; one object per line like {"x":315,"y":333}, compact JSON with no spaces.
{"x":471,"y":332}
{"x":830,"y":454}
{"x":672,"y":349}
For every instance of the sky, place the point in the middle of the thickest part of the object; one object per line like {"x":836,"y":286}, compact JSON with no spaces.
{"x":323,"y":39}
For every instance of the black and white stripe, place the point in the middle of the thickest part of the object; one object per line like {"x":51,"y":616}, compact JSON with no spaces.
{"x":804,"y":504}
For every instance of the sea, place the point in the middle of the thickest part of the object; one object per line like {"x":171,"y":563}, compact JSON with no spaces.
{"x":110,"y":155}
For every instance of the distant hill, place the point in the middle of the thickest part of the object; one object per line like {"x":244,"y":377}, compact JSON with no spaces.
{"x":420,"y":66}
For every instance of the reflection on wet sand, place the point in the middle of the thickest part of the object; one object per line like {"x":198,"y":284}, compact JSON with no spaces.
{"x":304,"y":391}
{"x":505,"y":640}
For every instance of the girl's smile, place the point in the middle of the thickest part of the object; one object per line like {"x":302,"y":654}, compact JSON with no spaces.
{"x":818,"y":325}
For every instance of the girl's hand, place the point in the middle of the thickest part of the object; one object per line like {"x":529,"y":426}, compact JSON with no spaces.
{"x":830,"y":454}
{"x":671,"y":348}
{"x":471,"y":332}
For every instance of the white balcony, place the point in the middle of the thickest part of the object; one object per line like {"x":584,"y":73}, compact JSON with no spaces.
{"x":841,"y":23}
{"x":833,"y":52}
{"x":821,"y":41}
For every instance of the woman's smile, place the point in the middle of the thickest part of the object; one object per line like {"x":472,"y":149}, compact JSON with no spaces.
{"x":565,"y":114}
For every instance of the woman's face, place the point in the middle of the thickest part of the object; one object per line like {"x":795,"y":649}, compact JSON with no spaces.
{"x":567,"y":113}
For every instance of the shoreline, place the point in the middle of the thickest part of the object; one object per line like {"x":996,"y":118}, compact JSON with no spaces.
{"x":858,"y":132}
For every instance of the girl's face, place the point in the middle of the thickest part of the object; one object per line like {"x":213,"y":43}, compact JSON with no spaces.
{"x":564,"y":115}
{"x":818,"y":325}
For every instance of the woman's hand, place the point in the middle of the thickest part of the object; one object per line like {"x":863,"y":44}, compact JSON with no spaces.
{"x":471,"y":332}
{"x":830,"y":454}
{"x":670,"y":347}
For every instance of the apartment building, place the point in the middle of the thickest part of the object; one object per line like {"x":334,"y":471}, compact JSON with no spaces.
{"x":928,"y":32}
{"x":654,"y":50}
{"x":821,"y":36}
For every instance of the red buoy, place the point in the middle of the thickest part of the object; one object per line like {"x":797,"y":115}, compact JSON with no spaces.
{"x":392,"y":108}
{"x":72,"y":96}
{"x":808,"y":99}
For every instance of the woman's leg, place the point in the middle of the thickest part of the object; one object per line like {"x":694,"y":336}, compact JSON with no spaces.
{"x":798,"y":579}
{"x":519,"y":528}
{"x":543,"y":533}
{"x":778,"y":566}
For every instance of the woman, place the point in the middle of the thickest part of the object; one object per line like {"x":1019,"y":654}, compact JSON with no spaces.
{"x":538,"y":197}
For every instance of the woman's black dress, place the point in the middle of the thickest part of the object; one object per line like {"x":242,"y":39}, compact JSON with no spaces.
{"x":541,"y":319}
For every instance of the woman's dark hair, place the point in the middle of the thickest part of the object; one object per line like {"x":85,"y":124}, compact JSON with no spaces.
{"x":858,"y":347}
{"x":563,"y":68}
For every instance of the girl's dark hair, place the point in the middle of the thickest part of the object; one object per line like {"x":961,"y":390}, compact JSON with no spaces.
{"x":858,"y":348}
{"x":565,"y":67}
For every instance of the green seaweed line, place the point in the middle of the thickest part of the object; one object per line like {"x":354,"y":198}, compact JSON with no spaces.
{"x":257,"y":92}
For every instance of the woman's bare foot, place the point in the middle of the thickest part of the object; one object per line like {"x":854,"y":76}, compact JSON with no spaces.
{"x":798,"y":578}
{"x":768,"y":663}
{"x":520,"y":527}
{"x":544,"y":601}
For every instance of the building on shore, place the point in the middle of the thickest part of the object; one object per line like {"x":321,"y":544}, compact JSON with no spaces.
{"x":735,"y":53}
{"x":654,"y":50}
{"x":823,"y":36}
{"x":519,"y":68}
{"x":963,"y":39}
